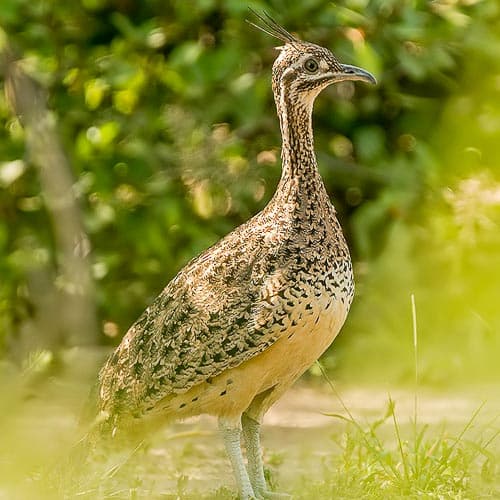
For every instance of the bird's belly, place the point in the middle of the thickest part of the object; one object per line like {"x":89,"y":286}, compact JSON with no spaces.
{"x":310,"y":327}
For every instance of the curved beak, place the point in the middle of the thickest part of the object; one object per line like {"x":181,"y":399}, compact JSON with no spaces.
{"x":354,"y":73}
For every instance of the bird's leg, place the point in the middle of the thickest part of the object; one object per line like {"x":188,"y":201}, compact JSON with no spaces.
{"x":251,"y":434}
{"x":231,"y":433}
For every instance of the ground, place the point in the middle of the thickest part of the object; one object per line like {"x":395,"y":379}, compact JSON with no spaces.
{"x":299,"y":436}
{"x":307,"y":451}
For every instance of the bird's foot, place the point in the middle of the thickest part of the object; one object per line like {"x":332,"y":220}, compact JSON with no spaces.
{"x":265,"y":494}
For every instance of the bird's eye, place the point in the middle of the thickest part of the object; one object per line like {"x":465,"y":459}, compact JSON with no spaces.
{"x":311,"y":65}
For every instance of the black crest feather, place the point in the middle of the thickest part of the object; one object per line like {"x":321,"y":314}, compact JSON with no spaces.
{"x":271,"y":27}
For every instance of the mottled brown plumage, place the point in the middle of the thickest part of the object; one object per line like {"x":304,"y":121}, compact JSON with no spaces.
{"x":242,"y":321}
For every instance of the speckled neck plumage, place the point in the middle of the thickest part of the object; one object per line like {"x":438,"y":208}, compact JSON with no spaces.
{"x":300,"y":174}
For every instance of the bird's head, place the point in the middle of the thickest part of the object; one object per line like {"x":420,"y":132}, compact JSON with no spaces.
{"x":304,"y":69}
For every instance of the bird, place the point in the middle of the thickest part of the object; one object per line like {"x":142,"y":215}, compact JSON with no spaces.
{"x":241,"y":322}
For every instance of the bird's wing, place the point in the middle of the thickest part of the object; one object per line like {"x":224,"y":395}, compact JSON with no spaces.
{"x":222,"y":309}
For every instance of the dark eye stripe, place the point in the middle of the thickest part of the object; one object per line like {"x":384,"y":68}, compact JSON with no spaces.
{"x":310,"y":84}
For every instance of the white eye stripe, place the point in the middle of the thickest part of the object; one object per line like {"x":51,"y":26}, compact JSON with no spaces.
{"x":299,"y":65}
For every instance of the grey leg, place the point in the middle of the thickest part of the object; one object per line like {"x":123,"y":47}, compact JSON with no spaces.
{"x":251,"y":433}
{"x":232,"y":440}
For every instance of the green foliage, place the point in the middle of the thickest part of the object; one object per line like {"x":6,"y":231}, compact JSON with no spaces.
{"x":164,"y":109}
{"x":426,"y":465}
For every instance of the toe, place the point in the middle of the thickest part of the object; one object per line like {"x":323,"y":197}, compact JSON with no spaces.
{"x":273,"y":495}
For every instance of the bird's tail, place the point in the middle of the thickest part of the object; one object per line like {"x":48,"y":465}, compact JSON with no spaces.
{"x":72,"y":472}
{"x":106,"y":442}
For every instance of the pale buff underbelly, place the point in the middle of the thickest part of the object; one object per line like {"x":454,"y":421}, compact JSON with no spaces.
{"x":229,"y":394}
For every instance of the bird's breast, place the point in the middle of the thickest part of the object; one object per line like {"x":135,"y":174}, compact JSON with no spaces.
{"x":306,"y":317}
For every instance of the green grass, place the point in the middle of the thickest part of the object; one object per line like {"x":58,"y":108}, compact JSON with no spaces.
{"x":369,"y":462}
{"x":385,"y":459}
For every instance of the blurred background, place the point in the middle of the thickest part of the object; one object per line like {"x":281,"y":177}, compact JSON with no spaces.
{"x":157,"y":135}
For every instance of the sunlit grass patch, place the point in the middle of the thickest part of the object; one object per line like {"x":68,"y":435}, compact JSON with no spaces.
{"x":373,"y":464}
{"x":387,"y":459}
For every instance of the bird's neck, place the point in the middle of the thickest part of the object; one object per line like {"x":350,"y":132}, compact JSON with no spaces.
{"x":300,"y":176}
